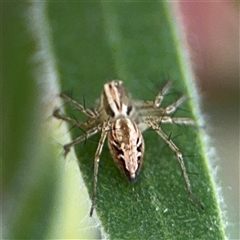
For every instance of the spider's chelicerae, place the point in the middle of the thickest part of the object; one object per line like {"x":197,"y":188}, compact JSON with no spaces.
{"x":123,"y":120}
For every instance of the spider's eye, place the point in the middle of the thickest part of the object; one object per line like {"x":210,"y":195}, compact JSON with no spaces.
{"x":129,"y":109}
{"x":109,"y":111}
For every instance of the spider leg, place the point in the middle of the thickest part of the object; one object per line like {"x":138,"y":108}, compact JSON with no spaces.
{"x":141,"y":105}
{"x":173,"y":120}
{"x":177,"y":152}
{"x":104,"y":132}
{"x":159,"y":98}
{"x":88,"y":112}
{"x":57,"y":114}
{"x":81,"y":138}
{"x":173,"y":107}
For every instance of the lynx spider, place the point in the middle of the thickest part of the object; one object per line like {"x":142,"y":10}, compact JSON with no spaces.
{"x":123,"y":120}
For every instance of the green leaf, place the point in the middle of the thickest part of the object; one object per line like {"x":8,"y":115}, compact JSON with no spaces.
{"x":84,"y":45}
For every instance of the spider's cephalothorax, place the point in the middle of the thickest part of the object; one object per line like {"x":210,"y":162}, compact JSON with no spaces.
{"x":115,"y":102}
{"x":123,"y":120}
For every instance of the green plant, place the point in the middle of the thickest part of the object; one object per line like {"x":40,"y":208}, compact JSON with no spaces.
{"x":83,"y":45}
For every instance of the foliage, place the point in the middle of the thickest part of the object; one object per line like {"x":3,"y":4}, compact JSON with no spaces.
{"x":85,"y":44}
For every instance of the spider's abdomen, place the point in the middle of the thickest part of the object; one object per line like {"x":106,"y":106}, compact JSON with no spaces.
{"x":126,"y":144}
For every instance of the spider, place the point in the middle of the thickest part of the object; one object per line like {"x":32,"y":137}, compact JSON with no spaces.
{"x":123,"y":120}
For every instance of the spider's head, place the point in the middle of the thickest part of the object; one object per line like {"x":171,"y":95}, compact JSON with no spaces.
{"x":115,"y":101}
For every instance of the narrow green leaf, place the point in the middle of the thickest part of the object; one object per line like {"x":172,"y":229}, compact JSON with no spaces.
{"x":137,"y":42}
